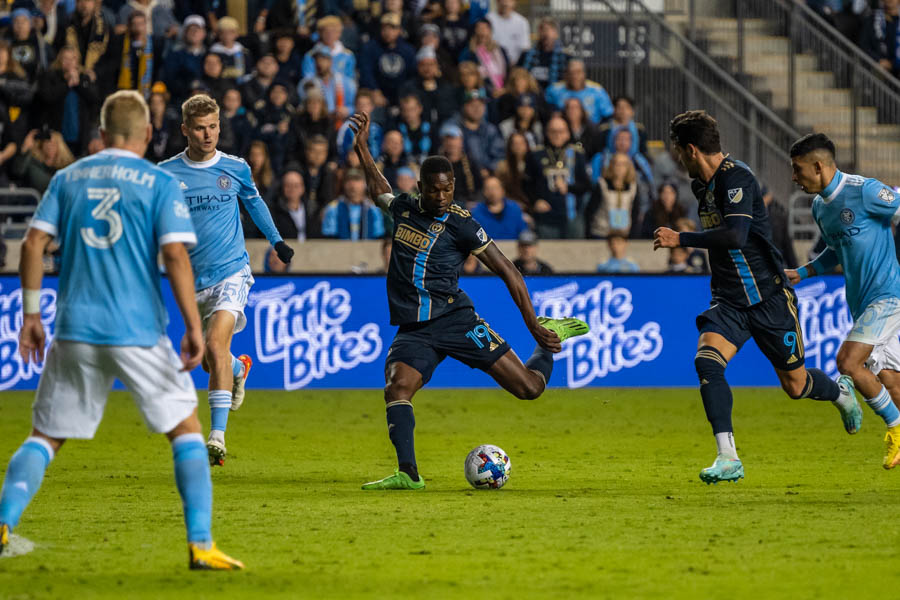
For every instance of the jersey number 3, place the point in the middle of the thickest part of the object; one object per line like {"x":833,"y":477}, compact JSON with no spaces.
{"x":104,"y":212}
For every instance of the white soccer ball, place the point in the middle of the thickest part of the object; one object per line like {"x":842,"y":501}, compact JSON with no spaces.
{"x":487,"y":467}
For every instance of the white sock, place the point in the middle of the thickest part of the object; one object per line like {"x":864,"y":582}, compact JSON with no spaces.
{"x":725,"y":444}
{"x":844,"y":400}
{"x":217,"y":435}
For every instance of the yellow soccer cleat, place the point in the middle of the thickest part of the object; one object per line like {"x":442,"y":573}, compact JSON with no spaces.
{"x":211,"y":559}
{"x":892,"y":447}
{"x":4,"y":536}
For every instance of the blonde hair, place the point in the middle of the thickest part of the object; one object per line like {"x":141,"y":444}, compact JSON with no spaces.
{"x":64,"y":156}
{"x":630,"y":176}
{"x":517,"y":73}
{"x":198,"y":106}
{"x":125,"y":114}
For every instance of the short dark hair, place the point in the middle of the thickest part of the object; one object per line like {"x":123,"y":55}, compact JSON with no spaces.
{"x":809,"y":143}
{"x":434,"y":165}
{"x":627,"y":99}
{"x":696,"y":127}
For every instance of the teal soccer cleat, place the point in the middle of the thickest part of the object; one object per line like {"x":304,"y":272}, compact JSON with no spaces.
{"x":723,"y":469}
{"x":848,"y":406}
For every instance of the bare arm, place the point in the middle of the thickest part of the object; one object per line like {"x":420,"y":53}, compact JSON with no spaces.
{"x":497,"y":262}
{"x":31,"y":273}
{"x":181,"y":278}
{"x":379,"y":188}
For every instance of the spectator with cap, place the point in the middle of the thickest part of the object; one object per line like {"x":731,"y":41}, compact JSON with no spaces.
{"x":430,"y":37}
{"x":387,"y":63}
{"x":365,"y":103}
{"x":392,"y":156}
{"x":91,"y":34}
{"x":618,"y":261}
{"x":490,"y":57}
{"x":519,"y":82}
{"x":141,"y":55}
{"x":184,"y":64}
{"x":353,"y":216}
{"x":592,"y":95}
{"x":292,"y":214}
{"x":623,"y":116}
{"x":69,"y":99}
{"x":338,"y":90}
{"x":547,"y":60}
{"x":253,"y":89}
{"x":483,"y":141}
{"x":343,"y":61}
{"x":526,"y":121}
{"x":438,"y":98}
{"x":501,"y":217}
{"x":236,"y":59}
{"x":466,"y":172}
{"x":454,"y":24}
{"x":290,"y":64}
{"x":419,"y":136}
{"x":527,"y":261}
{"x":511,"y":30}
{"x":557,"y":181}
{"x":27,"y":46}
{"x":779,"y":219}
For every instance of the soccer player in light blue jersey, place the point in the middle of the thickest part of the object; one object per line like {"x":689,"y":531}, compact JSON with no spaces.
{"x":855,"y":215}
{"x":112,"y":214}
{"x":212,"y":183}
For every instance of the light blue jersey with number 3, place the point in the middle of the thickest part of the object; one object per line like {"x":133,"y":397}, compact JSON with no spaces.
{"x":110,"y":213}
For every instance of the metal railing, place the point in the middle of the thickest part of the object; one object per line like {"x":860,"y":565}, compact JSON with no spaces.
{"x":16,"y":207}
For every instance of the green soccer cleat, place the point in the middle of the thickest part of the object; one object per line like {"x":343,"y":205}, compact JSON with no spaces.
{"x":853,"y":415}
{"x":723,"y":469}
{"x":565,"y":328}
{"x":4,"y":536}
{"x":398,"y":481}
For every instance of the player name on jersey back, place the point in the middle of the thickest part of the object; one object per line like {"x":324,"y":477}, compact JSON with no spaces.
{"x":117,"y":172}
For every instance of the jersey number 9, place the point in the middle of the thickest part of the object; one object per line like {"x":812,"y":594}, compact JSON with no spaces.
{"x":104,"y":212}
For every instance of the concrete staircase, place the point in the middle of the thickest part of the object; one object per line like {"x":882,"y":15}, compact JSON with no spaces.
{"x":819,"y":104}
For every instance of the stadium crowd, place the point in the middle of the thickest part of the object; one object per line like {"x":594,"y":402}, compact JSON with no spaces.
{"x":538,"y":149}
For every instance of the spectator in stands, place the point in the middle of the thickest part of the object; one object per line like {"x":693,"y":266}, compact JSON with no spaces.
{"x":581,"y":130}
{"x":518,"y":82}
{"x":623,"y":144}
{"x":490,"y":57}
{"x":623,"y":116}
{"x":68,"y":99}
{"x":338,"y":90}
{"x":667,"y":167}
{"x":184,"y":64}
{"x":618,"y":261}
{"x":419,"y":137}
{"x":678,"y":262}
{"x":313,"y":120}
{"x":780,"y":222}
{"x":161,"y":22}
{"x":664,"y":212}
{"x":387,"y":63}
{"x":430,"y":37}
{"x":27,"y":46}
{"x":454,"y":24}
{"x":698,"y":260}
{"x":526,"y":121}
{"x":880,"y":37}
{"x":274,"y":124}
{"x":212,"y":81}
{"x":236,"y":59}
{"x":42,"y":153}
{"x":290,"y":65}
{"x":470,"y":80}
{"x":343,"y":61}
{"x":466,"y":172}
{"x":547,"y":61}
{"x":345,"y":136}
{"x":511,"y":30}
{"x":438,"y":97}
{"x":406,"y":180}
{"x":293,"y":217}
{"x":576,"y":85}
{"x":253,"y":90}
{"x":353,"y":216}
{"x":527,"y":262}
{"x":141,"y":55}
{"x":511,"y":170}
{"x":501,"y":217}
{"x":51,"y":21}
{"x":482,"y":139}
{"x":237,"y":123}
{"x":16,"y":91}
{"x":167,"y":139}
{"x":614,"y":205}
{"x":557,"y":180}
{"x":91,"y":35}
{"x":260,"y":167}
{"x":319,"y":178}
{"x":843,"y":15}
{"x":392,"y":156}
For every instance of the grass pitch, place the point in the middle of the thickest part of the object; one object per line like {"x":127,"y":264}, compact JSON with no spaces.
{"x":603,"y":502}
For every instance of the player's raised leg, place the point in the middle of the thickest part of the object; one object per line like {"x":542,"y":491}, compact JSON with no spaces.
{"x":219,"y":331}
{"x":816,"y":385}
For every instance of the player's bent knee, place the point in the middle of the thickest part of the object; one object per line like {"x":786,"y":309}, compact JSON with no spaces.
{"x":531,"y":389}
{"x":400,"y":387}
{"x":793,"y":389}
{"x":847,"y":365}
{"x":710,"y":364}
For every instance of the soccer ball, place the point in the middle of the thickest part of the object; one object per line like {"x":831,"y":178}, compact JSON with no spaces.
{"x":487,"y":467}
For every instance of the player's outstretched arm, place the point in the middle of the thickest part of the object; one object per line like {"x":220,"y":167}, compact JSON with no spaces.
{"x":496,"y":261}
{"x":379,"y":188}
{"x":31,"y":273}
{"x":181,"y":277}
{"x":733,"y":234}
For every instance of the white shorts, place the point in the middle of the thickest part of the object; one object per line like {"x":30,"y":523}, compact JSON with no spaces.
{"x":879,"y":326}
{"x":77,"y":378}
{"x":229,"y":294}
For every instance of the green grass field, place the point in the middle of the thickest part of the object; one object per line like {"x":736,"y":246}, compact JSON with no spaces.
{"x":603,"y":502}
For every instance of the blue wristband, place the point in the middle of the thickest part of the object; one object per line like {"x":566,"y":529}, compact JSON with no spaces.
{"x":803,"y":272}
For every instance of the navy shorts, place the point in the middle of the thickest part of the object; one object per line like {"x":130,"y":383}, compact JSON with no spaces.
{"x":774,"y":324}
{"x":461,"y":334}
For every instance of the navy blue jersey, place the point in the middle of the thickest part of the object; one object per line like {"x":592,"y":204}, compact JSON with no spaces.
{"x":748,"y":275}
{"x":426,"y":258}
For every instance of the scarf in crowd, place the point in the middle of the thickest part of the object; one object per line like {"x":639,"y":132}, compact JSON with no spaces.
{"x":97,"y":42}
{"x":880,"y":22}
{"x":144,"y":67}
{"x":492,"y":64}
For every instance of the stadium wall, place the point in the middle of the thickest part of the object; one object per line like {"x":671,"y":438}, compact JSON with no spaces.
{"x":333,"y":332}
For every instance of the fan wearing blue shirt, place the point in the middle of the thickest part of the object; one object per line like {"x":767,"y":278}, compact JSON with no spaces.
{"x":212,"y":183}
{"x":501,"y":217}
{"x":618,"y":260}
{"x":854,"y":215}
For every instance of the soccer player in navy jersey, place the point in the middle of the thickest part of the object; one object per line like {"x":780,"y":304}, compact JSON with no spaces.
{"x":750,"y":294}
{"x":432,"y":238}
